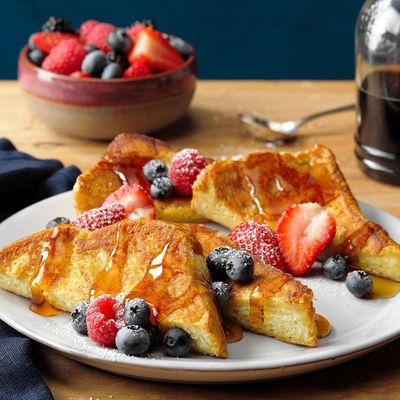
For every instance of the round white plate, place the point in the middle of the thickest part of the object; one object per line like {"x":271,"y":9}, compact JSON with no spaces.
{"x":359,"y":326}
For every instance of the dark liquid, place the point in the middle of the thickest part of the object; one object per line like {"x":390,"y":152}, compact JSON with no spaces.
{"x":378,"y":136}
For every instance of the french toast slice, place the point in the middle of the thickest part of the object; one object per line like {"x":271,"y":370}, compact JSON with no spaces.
{"x":262,"y":185}
{"x":273,"y":304}
{"x":123,"y":161}
{"x":145,"y":258}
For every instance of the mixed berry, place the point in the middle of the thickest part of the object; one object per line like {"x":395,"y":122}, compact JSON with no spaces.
{"x":102,"y":50}
{"x":127,"y":327}
{"x":303,"y":232}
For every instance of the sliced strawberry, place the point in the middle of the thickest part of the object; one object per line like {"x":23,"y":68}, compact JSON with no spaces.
{"x":304,"y":231}
{"x":160,"y":55}
{"x":134,"y":198}
{"x":46,"y":41}
{"x":139,"y":68}
{"x":134,"y":30}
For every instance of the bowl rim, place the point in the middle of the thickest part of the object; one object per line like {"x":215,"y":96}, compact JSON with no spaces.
{"x":23,"y":57}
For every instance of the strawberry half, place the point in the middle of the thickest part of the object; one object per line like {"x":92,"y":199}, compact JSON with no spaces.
{"x":304,"y":231}
{"x":159,"y":54}
{"x":46,"y":41}
{"x":135,"y":199}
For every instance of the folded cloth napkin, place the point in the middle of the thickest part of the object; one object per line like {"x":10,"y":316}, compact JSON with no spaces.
{"x":23,"y":181}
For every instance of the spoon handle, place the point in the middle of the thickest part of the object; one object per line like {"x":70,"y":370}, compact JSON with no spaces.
{"x":310,"y":117}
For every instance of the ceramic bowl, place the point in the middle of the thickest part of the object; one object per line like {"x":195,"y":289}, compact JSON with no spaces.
{"x":102,"y":108}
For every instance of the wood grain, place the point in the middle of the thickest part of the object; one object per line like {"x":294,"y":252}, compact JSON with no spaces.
{"x":212,"y":126}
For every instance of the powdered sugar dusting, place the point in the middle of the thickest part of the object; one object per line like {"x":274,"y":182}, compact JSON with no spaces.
{"x":100,"y":217}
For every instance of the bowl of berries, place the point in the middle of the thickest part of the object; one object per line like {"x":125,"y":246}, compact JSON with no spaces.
{"x":100,"y":80}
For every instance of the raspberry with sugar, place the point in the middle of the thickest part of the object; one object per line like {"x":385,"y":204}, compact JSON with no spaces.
{"x":100,"y":217}
{"x":185,"y":167}
{"x":104,"y":317}
{"x":65,"y":58}
{"x":260,"y":241}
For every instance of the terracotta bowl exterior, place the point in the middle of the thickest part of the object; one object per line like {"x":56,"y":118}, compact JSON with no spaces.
{"x":101,"y":109}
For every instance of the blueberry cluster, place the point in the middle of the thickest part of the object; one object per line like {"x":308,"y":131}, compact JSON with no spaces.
{"x":112,"y":65}
{"x":139,"y":335}
{"x":357,"y":282}
{"x":225,"y":262}
{"x":156,"y":172}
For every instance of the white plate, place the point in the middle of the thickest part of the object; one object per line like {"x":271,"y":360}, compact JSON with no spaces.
{"x":359,"y":326}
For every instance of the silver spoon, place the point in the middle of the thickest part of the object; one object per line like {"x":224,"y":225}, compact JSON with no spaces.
{"x":274,"y":131}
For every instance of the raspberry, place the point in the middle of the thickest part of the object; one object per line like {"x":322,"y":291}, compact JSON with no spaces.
{"x":138,"y":68}
{"x":260,"y":241}
{"x":98,"y":36}
{"x":185,"y":167}
{"x":101,"y":217}
{"x":87,"y":27}
{"x":104,"y":317}
{"x":65,"y":58}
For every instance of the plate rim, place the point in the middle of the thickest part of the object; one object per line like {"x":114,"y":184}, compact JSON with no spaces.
{"x":211,"y":364}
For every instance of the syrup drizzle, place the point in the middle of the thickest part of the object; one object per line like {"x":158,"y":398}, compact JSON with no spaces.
{"x":233,"y":331}
{"x":52,"y":261}
{"x":253,"y":196}
{"x":383,"y":288}
{"x":109,"y":280}
{"x":323,"y":326}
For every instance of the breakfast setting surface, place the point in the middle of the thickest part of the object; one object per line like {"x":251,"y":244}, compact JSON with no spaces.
{"x":167,"y":236}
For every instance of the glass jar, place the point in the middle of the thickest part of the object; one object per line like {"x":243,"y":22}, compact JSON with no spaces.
{"x":378,"y":89}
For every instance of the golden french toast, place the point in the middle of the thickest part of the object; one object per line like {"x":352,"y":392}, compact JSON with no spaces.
{"x":145,"y":258}
{"x":273,"y":304}
{"x":262,"y":185}
{"x":123,"y":161}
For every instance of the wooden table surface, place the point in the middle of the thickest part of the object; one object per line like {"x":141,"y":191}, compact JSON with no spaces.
{"x":212,"y":126}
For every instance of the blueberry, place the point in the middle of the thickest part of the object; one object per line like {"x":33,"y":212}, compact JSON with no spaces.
{"x":137,"y":312}
{"x":154,"y":169}
{"x":161,"y":188}
{"x":112,"y":70}
{"x":240,"y":266}
{"x":154,"y":334}
{"x":119,"y":41}
{"x":78,"y":316}
{"x":216,"y":262}
{"x":335,"y":267}
{"x":221,"y":291}
{"x":133,"y":340}
{"x":94,"y":63}
{"x":37,"y":56}
{"x":359,"y":283}
{"x":177,"y":342}
{"x":57,"y":221}
{"x":184,"y":48}
{"x":90,"y":47}
{"x":114,"y":57}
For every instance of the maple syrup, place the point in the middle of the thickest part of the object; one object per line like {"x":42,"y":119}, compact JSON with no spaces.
{"x":323,"y":326}
{"x":383,"y":288}
{"x":378,"y":112}
{"x":273,"y":185}
{"x":233,"y":331}
{"x":52,"y":261}
{"x":109,"y":280}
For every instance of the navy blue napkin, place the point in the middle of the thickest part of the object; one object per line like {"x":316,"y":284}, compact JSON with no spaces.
{"x":25,"y":180}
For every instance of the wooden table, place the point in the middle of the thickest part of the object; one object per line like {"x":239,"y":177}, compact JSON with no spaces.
{"x":212,"y":126}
